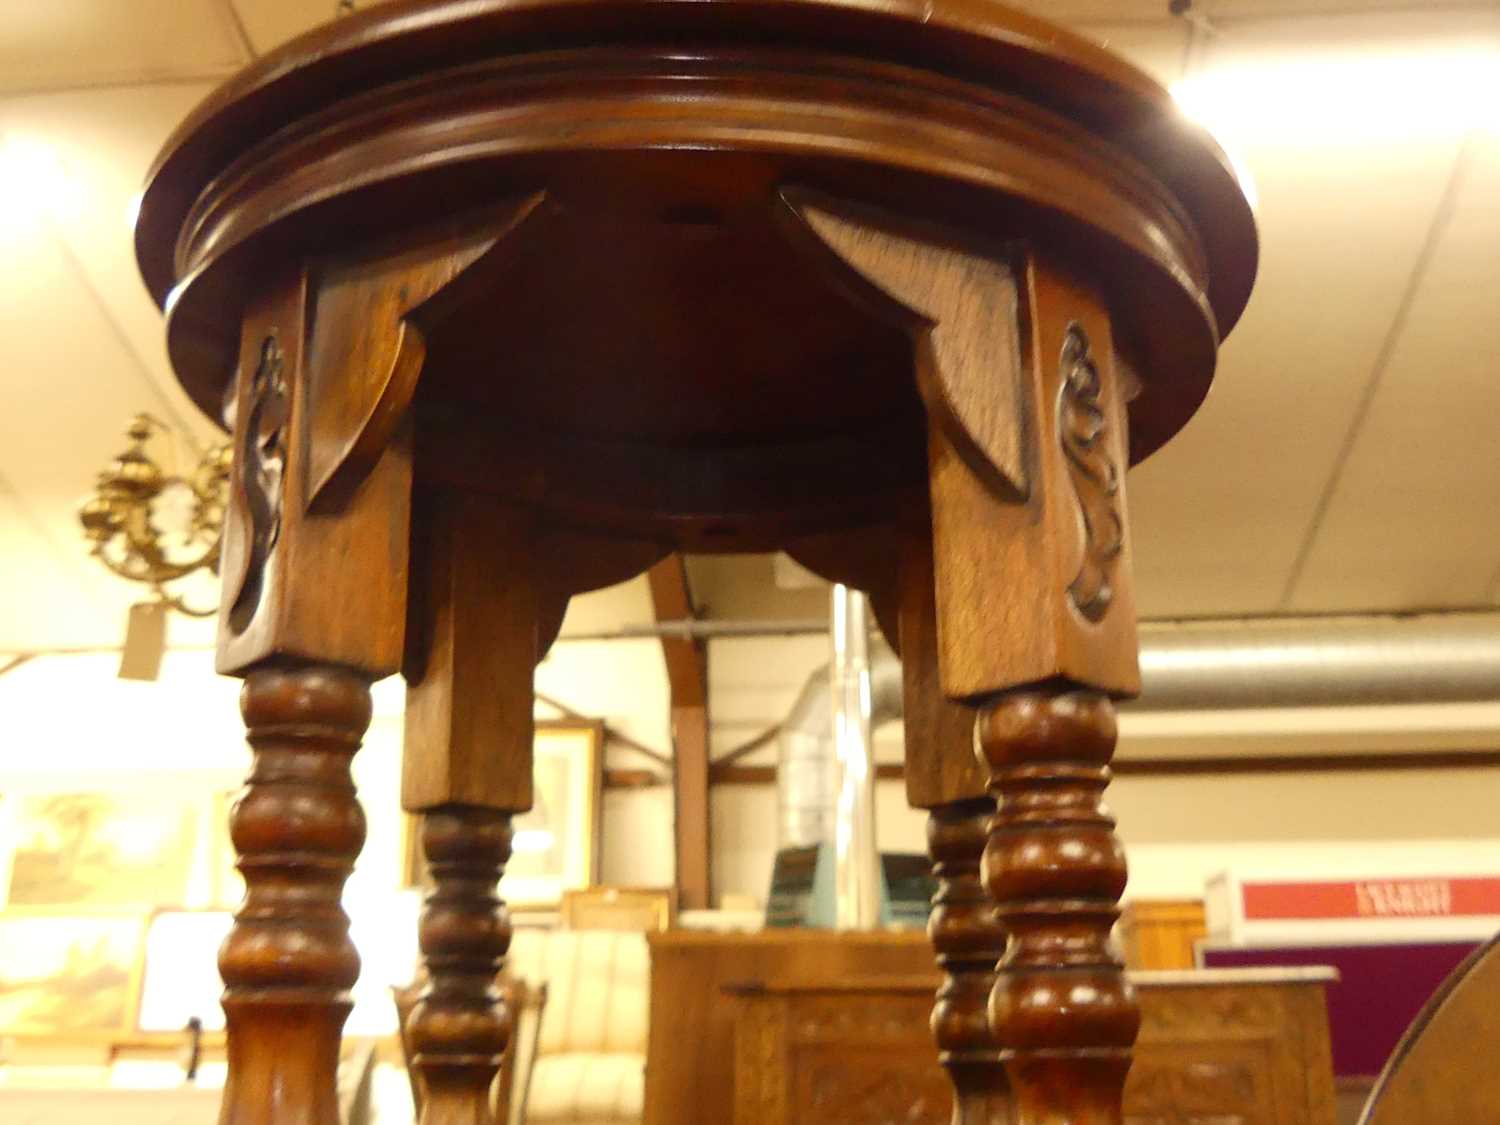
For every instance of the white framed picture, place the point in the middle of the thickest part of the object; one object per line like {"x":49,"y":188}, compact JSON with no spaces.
{"x":555,"y":847}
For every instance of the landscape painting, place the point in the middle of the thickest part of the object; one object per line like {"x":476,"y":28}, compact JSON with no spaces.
{"x":67,"y":974}
{"x":132,"y":847}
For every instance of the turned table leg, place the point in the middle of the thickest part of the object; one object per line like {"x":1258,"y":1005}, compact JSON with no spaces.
{"x":459,"y":1028}
{"x":1061,"y":1008}
{"x":943,"y":776}
{"x":288,"y":963}
{"x":310,"y":616}
{"x":474,"y":632}
{"x":969,"y":940}
{"x":1036,"y":619}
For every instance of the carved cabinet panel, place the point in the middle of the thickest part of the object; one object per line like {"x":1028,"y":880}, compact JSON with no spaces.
{"x":1252,"y":1053}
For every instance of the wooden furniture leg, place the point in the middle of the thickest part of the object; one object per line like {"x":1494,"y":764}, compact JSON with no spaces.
{"x":1037,"y":628}
{"x":476,"y":611}
{"x":943,"y":776}
{"x":460,"y":1027}
{"x":288,"y":963}
{"x":1061,"y":1005}
{"x":1033,"y":618}
{"x":309,"y":628}
{"x":969,"y":940}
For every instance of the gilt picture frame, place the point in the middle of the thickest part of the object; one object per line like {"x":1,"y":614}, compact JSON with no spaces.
{"x":71,"y":974}
{"x":131,"y":847}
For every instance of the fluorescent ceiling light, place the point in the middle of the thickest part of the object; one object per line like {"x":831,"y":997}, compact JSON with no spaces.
{"x":34,"y":184}
{"x":1344,"y":96}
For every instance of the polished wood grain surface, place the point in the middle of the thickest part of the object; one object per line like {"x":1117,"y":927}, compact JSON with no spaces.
{"x":459,"y":1029}
{"x":476,"y":610}
{"x":1161,"y":933}
{"x":1062,"y":1011}
{"x":968,"y":936}
{"x":1443,"y":1070}
{"x":1212,"y":1052}
{"x":514,"y":299}
{"x":288,"y":963}
{"x":690,"y":1056}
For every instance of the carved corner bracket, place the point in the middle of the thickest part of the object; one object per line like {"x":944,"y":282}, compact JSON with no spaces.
{"x":331,"y":353}
{"x":960,"y":306}
{"x":368,"y":341}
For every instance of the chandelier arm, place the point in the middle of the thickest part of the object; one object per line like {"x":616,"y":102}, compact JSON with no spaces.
{"x":120,"y":518}
{"x":174,"y":601}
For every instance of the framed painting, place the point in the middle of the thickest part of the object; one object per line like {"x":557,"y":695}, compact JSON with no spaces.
{"x":134,"y":847}
{"x":69,"y":974}
{"x":556,"y":845}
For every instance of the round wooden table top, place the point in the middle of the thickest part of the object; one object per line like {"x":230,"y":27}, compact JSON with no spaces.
{"x":657,"y":301}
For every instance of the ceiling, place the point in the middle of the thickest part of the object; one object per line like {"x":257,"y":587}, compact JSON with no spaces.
{"x":1346,"y":459}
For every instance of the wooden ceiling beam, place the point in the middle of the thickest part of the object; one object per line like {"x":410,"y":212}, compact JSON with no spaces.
{"x":687,"y":660}
{"x":687,"y":675}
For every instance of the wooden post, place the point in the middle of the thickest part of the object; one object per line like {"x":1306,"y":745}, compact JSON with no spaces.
{"x":969,"y":940}
{"x":1034,"y":622}
{"x":288,"y":963}
{"x":687,"y":673}
{"x":459,"y":1028}
{"x":312,"y":611}
{"x":1061,"y":1005}
{"x":1036,"y":626}
{"x":943,"y":776}
{"x":477,"y":609}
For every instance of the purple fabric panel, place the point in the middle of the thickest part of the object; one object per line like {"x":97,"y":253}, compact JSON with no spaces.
{"x":1380,"y":990}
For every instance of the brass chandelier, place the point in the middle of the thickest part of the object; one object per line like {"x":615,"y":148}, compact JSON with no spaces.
{"x":123,"y":519}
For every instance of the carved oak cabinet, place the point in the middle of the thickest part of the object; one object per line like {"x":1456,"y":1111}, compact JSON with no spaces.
{"x":1215,"y":1048}
{"x":505,"y":300}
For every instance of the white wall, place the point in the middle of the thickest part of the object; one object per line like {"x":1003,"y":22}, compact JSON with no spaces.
{"x":68,"y":721}
{"x":1178,"y":830}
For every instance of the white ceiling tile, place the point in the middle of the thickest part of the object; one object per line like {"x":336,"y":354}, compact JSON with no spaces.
{"x":270,"y":23}
{"x":62,"y":43}
{"x":71,"y":388}
{"x":1159,"y":48}
{"x":1347,"y":195}
{"x":46,"y":598}
{"x":1412,"y":521}
{"x":1230,"y":10}
{"x":1075,"y":12}
{"x":103,"y":142}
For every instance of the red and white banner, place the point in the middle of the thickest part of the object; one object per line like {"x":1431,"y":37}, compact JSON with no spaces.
{"x":1245,"y":907}
{"x":1373,"y":898}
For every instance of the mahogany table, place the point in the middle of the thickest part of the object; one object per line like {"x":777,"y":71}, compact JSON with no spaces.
{"x":507,"y":300}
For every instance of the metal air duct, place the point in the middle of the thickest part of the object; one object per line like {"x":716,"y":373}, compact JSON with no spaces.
{"x":1320,"y":662}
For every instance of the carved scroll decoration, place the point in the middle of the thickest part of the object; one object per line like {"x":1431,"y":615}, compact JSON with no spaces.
{"x":262,"y":460}
{"x":1083,"y":433}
